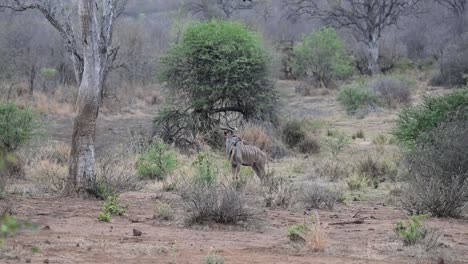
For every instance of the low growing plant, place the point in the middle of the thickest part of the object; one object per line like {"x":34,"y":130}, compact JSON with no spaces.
{"x":412,"y":231}
{"x":157,"y":162}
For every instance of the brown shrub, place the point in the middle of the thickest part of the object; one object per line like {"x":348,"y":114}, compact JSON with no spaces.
{"x":254,"y":134}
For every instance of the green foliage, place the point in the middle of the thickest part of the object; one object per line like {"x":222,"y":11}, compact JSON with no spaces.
{"x":17,"y":126}
{"x":220,"y":64}
{"x":414,"y":122}
{"x":293,"y":132}
{"x":104,"y":216}
{"x":157,"y":162}
{"x":9,"y":226}
{"x":111,"y":207}
{"x":322,"y":56}
{"x":355,"y":97}
{"x":336,"y":142}
{"x":206,"y":169}
{"x":49,"y":73}
{"x":212,"y":258}
{"x":411,"y":231}
{"x":358,"y":134}
{"x":296,"y":232}
{"x":357,"y":181}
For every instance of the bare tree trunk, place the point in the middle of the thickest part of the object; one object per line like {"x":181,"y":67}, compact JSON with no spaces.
{"x":32,"y":76}
{"x":82,"y":177}
{"x":373,"y":45}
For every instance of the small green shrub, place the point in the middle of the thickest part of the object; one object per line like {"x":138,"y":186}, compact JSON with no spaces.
{"x":296,"y":232}
{"x":357,"y":182}
{"x":206,"y":169}
{"x":322,"y":56}
{"x":48,"y":73}
{"x":293,"y":132}
{"x":157,"y":162}
{"x":415,"y":122}
{"x":212,"y":258}
{"x":356,"y":97}
{"x":112,"y":206}
{"x":412,"y":231}
{"x":104,"y":216}
{"x":336,"y":142}
{"x":17,"y":126}
{"x":164,"y":211}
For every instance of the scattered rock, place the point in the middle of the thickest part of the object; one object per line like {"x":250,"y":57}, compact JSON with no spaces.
{"x":77,"y":244}
{"x":28,"y":260}
{"x":440,"y":261}
{"x":137,"y":232}
{"x":46,"y":261}
{"x":46,"y":228}
{"x":47,"y":242}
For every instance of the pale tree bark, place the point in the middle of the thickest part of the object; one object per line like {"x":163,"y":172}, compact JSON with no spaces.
{"x":366,"y":18}
{"x":96,"y":21}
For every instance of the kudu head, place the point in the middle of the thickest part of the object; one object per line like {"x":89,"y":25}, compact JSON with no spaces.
{"x":229,"y":133}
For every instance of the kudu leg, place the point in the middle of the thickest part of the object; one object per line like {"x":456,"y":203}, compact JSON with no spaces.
{"x":259,"y":171}
{"x":235,"y":171}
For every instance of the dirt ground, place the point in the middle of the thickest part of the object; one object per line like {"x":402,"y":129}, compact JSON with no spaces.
{"x":68,"y":230}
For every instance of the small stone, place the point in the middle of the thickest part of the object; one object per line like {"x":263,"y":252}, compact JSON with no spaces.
{"x":137,"y":232}
{"x":47,"y":242}
{"x":46,"y":227}
{"x":46,"y":261}
{"x":440,"y":261}
{"x":77,"y":244}
{"x":28,"y":260}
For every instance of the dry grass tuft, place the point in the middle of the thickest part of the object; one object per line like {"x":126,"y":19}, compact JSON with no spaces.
{"x":254,"y":134}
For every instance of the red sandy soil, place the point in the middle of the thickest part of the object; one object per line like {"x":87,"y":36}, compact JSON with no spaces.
{"x":69,"y":232}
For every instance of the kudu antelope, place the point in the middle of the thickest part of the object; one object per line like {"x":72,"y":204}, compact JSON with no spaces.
{"x":240,"y":154}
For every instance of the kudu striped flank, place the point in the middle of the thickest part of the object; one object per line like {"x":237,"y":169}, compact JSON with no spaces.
{"x":240,"y":154}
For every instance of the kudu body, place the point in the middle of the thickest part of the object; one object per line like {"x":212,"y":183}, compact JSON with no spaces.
{"x":240,"y":154}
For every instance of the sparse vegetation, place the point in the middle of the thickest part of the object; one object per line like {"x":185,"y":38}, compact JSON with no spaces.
{"x":157,"y":162}
{"x":412,"y":231}
{"x":358,"y":134}
{"x":206,"y":169}
{"x":164,"y":211}
{"x":310,"y":145}
{"x":357,"y":181}
{"x":437,"y":182}
{"x":213,"y":258}
{"x":214,"y":203}
{"x":111,"y":206}
{"x":391,"y":91}
{"x":315,"y":196}
{"x":310,"y":234}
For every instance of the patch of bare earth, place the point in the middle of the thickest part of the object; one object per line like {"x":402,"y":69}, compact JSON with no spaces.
{"x":69,"y":232}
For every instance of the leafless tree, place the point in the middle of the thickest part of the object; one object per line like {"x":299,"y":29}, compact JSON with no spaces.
{"x":209,"y":9}
{"x":366,"y":18}
{"x":97,"y":22}
{"x":458,"y":9}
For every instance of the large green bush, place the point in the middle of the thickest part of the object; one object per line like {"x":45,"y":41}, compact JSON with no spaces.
{"x":416,"y":121}
{"x":219,"y":66}
{"x":157,"y":162}
{"x":322,"y":57}
{"x":17,"y":126}
{"x":356,"y":97}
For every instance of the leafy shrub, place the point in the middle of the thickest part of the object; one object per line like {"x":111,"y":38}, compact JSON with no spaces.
{"x":391,"y":91}
{"x":48,"y":73}
{"x":453,"y":66}
{"x":412,"y":231}
{"x":315,"y":196}
{"x":322,"y":57}
{"x":374,"y":170}
{"x":206,"y":171}
{"x":437,"y":182}
{"x":310,"y":145}
{"x":104,"y":216}
{"x":296,"y":232}
{"x":217,"y":203}
{"x":356,"y":97}
{"x":335,"y":143}
{"x":164,"y":211}
{"x":218,"y":65}
{"x":212,"y":258}
{"x":414,"y":122}
{"x":157,"y":162}
{"x":293,"y":132}
{"x":357,"y":181}
{"x":17,"y":126}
